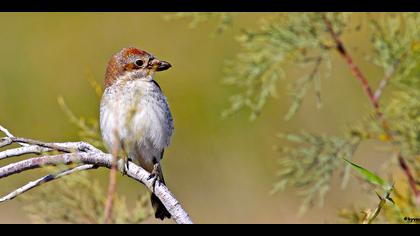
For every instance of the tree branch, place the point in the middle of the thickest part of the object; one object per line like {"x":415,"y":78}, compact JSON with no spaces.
{"x":32,"y":149}
{"x":374,"y":99}
{"x":9,"y":135}
{"x":6,"y":132}
{"x":5,"y":142}
{"x":353,"y":67}
{"x":411,"y":181}
{"x":384,"y":82}
{"x":87,"y":157}
{"x":43,"y":180}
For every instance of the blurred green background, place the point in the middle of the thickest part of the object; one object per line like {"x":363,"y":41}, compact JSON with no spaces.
{"x":221,"y":170}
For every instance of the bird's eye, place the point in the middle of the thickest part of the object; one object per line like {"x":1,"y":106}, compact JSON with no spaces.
{"x":139,"y":63}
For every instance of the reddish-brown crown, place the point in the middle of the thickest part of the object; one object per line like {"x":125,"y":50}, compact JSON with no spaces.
{"x":118,"y":62}
{"x":127,"y":52}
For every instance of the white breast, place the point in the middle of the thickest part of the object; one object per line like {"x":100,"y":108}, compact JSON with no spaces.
{"x":137,"y":115}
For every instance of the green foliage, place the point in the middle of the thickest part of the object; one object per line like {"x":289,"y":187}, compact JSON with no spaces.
{"x":392,"y":210}
{"x":79,"y":199}
{"x":368,"y":175}
{"x":224,"y":19}
{"x":311,"y":163}
{"x":302,"y":42}
{"x":372,"y":178}
{"x":282,"y":41}
{"x":403,"y":112}
{"x":395,"y":41}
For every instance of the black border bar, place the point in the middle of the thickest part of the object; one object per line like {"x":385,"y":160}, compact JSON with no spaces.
{"x":208,"y":5}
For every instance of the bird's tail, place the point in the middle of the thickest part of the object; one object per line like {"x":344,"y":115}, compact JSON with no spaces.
{"x":160,"y":209}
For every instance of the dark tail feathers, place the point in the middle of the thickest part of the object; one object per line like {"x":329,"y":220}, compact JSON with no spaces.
{"x":160,"y":209}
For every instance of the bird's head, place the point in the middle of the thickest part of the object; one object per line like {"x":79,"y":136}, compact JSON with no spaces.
{"x":132,"y":63}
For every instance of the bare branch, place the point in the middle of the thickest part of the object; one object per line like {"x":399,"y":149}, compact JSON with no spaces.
{"x":6,"y":132}
{"x":5,"y":142}
{"x":387,"y":77}
{"x":384,"y":82}
{"x":9,"y":135}
{"x":62,"y":147}
{"x":355,"y":70}
{"x":101,"y":159}
{"x":32,"y":149}
{"x":88,"y":157}
{"x":43,"y":180}
{"x":411,"y":180}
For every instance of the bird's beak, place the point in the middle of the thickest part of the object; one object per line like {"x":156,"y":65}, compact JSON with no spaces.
{"x":158,"y":65}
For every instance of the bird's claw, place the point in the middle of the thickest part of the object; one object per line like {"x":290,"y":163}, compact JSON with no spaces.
{"x":155,"y":175}
{"x":125,"y":166}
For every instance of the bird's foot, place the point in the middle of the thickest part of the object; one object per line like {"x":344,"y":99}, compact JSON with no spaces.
{"x":125,"y":165}
{"x":156,"y":176}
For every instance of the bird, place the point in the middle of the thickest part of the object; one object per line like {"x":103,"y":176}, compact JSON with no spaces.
{"x":134,"y":114}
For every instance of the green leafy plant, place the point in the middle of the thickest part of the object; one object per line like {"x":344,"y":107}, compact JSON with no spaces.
{"x":309,"y":42}
{"x":369,"y":176}
{"x":310,"y":164}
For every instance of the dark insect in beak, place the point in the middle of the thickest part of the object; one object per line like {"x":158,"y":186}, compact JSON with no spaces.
{"x":163,"y":65}
{"x":159,"y":65}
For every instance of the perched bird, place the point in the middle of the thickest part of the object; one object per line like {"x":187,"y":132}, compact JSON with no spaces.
{"x":134,"y":113}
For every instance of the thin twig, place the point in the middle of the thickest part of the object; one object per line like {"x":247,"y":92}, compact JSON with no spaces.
{"x":384,"y":82}
{"x":299,"y":99}
{"x":371,"y":216}
{"x":32,"y":149}
{"x":10,"y":135}
{"x":387,"y":77}
{"x":62,"y":147}
{"x":112,"y":186}
{"x":43,"y":180}
{"x":5,"y":142}
{"x":373,"y":100}
{"x":411,"y":181}
{"x":312,"y":75}
{"x":6,"y":132}
{"x":353,"y":67}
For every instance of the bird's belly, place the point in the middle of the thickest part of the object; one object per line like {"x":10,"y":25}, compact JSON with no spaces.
{"x":152,"y":124}
{"x":142,"y":126}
